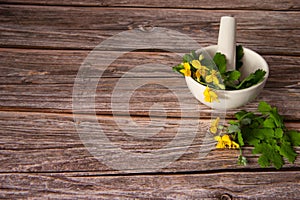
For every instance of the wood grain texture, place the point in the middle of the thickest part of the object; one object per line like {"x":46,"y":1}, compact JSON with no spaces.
{"x":36,"y":142}
{"x":80,"y":28}
{"x":43,"y":155}
{"x":31,"y":76}
{"x":233,"y":185}
{"x":61,"y":66}
{"x":201,"y":4}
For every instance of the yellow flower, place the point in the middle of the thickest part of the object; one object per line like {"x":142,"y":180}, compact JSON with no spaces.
{"x":210,"y":96}
{"x":201,"y":57}
{"x":201,"y":71}
{"x":187,"y":69}
{"x":214,"y":125}
{"x":212,"y":77}
{"x":221,"y":86}
{"x":226,"y":142}
{"x":196,"y":64}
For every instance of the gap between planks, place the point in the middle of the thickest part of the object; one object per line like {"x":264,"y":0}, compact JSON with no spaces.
{"x":188,"y":4}
{"x":95,"y":173}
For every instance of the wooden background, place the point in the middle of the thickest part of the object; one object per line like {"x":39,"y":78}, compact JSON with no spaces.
{"x":43,"y":44}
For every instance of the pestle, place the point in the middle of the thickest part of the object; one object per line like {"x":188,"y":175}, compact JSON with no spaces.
{"x":252,"y":61}
{"x":226,"y":40}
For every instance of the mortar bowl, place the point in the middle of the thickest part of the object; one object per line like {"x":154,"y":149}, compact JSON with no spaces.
{"x":230,"y":99}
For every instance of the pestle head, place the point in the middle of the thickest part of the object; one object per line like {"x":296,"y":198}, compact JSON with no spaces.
{"x":227,"y":40}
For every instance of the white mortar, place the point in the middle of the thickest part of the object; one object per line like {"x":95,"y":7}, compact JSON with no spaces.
{"x":229,"y":99}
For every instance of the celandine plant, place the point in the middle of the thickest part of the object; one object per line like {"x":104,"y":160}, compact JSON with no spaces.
{"x":214,"y":75}
{"x":265,"y":130}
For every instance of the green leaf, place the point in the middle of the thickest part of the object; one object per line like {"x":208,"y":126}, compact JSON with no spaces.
{"x":252,"y":79}
{"x":233,"y":122}
{"x":243,"y":114}
{"x":255,"y":124}
{"x":269,"y":123}
{"x":258,"y":76}
{"x":234,"y":75}
{"x":263,"y":161}
{"x":233,"y":129}
{"x":276,"y":118}
{"x":240,"y":138}
{"x":252,"y":140}
{"x":264,"y":107}
{"x":269,"y":154}
{"x":230,"y":79}
{"x":276,"y":158}
{"x":271,"y":141}
{"x":294,"y":137}
{"x":258,"y":133}
{"x":194,"y":55}
{"x":263,"y":133}
{"x":278,"y":133}
{"x":246,"y":121}
{"x":258,"y":148}
{"x":220,"y":61}
{"x":177,"y":68}
{"x":248,"y":137}
{"x":239,"y":56}
{"x":187,"y":58}
{"x":287,"y":151}
{"x":268,"y":133}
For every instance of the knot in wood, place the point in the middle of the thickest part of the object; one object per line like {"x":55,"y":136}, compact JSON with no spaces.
{"x":225,"y":197}
{"x":146,"y":28}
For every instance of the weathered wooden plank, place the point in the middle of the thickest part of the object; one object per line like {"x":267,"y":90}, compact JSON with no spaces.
{"x":31,"y":76}
{"x":36,"y":142}
{"x":59,"y":99}
{"x":229,"y":185}
{"x":30,"y":66}
{"x":84,"y":28}
{"x":201,"y":4}
{"x":48,"y":144}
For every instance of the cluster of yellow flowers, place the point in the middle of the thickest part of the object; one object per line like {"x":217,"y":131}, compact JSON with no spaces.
{"x":209,"y":75}
{"x":226,"y":142}
{"x":223,"y":141}
{"x":210,"y":95}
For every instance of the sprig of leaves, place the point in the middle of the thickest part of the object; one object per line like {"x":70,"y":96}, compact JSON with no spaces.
{"x":231,"y":79}
{"x":252,"y":79}
{"x":267,"y":133}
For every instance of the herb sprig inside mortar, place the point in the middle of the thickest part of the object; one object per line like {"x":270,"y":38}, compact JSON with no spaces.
{"x":214,"y":74}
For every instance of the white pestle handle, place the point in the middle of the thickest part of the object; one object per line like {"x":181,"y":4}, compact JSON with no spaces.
{"x":226,"y":40}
